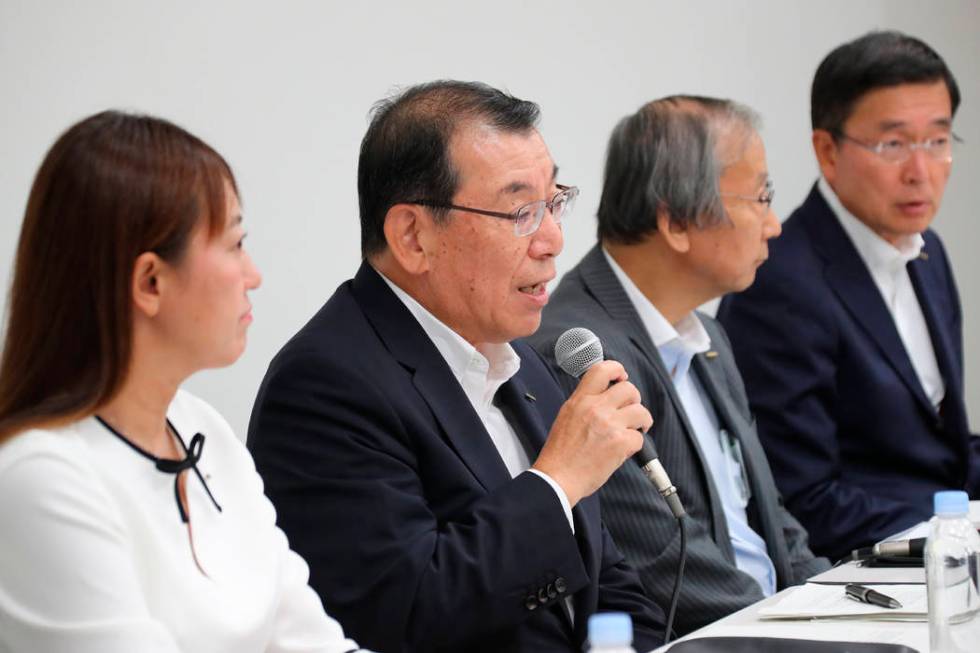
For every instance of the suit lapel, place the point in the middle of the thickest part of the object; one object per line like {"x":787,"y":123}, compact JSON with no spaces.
{"x":516,"y":402}
{"x":919,"y":274}
{"x":602,"y":283}
{"x":952,"y":417}
{"x":764,"y":492}
{"x":851,"y":281}
{"x":408,"y":343}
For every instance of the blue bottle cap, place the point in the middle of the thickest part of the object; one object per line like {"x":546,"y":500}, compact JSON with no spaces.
{"x":951,"y":502}
{"x":610,"y":629}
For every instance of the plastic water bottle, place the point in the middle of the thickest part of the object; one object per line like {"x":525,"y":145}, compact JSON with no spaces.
{"x":611,"y":632}
{"x":952,"y":559}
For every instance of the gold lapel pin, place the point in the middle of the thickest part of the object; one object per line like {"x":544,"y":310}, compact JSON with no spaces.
{"x":711,"y":354}
{"x":530,"y":397}
{"x":923,"y":256}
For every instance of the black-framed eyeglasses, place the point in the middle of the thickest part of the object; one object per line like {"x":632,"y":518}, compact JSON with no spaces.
{"x":526,"y":218}
{"x":764,"y":197}
{"x":897,"y":150}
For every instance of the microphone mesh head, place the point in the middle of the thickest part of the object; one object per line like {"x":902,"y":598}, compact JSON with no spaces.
{"x":577,"y":350}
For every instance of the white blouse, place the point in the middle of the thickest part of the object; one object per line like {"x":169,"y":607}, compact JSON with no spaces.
{"x":95,"y":558}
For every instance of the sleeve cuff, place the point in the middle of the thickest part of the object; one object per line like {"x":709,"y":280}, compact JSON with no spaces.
{"x":565,"y":505}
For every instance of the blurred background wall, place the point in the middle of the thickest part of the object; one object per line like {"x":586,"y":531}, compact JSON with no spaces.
{"x":283,"y":91}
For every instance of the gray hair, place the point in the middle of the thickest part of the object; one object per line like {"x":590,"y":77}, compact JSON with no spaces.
{"x":669,"y":156}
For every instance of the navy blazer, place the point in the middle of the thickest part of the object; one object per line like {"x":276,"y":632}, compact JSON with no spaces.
{"x":387,"y":483}
{"x":856,"y":447}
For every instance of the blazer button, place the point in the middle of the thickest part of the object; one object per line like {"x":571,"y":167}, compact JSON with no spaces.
{"x":560,"y":585}
{"x":531,"y":603}
{"x":542,"y":595}
{"x":551,"y":591}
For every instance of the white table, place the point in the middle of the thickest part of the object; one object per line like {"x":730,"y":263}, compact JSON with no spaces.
{"x":746,"y":621}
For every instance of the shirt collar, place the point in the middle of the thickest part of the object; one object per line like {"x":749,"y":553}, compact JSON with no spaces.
{"x":480,"y":370}
{"x":678,"y":343}
{"x":876,"y":252}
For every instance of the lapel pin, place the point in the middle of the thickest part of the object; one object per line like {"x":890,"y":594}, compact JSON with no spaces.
{"x":711,"y":354}
{"x":530,"y":397}
{"x":923,"y":256}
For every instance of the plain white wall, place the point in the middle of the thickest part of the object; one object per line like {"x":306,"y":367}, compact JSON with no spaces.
{"x":283,"y":91}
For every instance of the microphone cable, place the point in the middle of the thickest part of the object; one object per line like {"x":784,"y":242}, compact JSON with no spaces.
{"x":678,"y":579}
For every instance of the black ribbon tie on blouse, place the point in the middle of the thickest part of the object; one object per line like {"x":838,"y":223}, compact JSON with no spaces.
{"x":191,"y":458}
{"x":190,"y":461}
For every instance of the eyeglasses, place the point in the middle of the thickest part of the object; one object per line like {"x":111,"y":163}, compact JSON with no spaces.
{"x":897,"y":150}
{"x":526,"y":218}
{"x":764,"y":198}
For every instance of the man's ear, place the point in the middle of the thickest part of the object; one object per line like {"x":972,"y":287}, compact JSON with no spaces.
{"x":825,"y":147}
{"x":675,"y":234}
{"x":147,"y":283}
{"x":408,"y":231}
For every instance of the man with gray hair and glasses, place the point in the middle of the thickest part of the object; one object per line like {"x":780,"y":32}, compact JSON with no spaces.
{"x":684,"y":218}
{"x":850,"y":341}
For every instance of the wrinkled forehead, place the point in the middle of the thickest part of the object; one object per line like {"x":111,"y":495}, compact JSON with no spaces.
{"x":502,"y":161}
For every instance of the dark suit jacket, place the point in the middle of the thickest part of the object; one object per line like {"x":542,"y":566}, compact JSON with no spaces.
{"x":387,"y":483}
{"x":591,"y":296}
{"x":856,"y":447}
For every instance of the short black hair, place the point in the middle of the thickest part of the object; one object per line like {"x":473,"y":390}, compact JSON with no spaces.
{"x":405,"y":152}
{"x":875,"y":60}
{"x":670,"y":155}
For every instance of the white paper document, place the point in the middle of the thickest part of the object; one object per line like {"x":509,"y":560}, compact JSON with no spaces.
{"x":813,"y":601}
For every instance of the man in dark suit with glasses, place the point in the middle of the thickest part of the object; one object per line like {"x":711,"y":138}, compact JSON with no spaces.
{"x":430,"y":472}
{"x":850,"y":341}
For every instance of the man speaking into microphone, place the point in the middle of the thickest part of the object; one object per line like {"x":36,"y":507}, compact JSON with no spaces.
{"x":431,"y":473}
{"x":684,"y":218}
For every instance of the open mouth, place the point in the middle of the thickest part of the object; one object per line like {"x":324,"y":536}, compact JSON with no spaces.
{"x":536,"y":289}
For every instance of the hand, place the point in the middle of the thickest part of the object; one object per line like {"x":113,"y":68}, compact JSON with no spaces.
{"x":599,"y":427}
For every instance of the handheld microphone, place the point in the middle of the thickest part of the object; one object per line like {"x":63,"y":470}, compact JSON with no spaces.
{"x":911,"y":548}
{"x":576,"y":351}
{"x":914,"y":548}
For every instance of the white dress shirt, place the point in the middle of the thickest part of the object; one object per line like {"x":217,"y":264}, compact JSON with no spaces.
{"x":95,"y":557}
{"x":677,"y":345}
{"x":887,"y":265}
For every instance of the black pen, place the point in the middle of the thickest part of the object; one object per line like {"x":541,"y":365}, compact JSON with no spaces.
{"x":870,"y":596}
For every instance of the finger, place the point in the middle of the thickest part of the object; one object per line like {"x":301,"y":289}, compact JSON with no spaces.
{"x":635,"y":417}
{"x":632,"y":442}
{"x":620,"y":395}
{"x":600,"y":376}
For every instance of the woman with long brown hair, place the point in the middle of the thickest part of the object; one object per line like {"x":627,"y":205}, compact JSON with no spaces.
{"x":132,"y":517}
